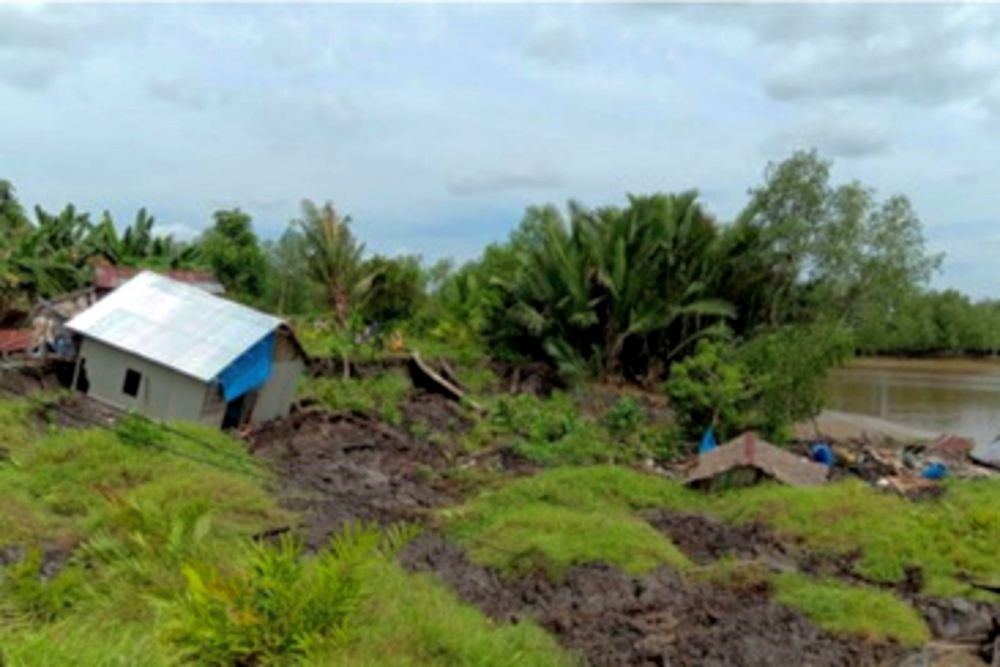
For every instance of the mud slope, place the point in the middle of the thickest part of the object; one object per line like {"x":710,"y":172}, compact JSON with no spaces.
{"x":337,"y":467}
{"x":612,"y":618}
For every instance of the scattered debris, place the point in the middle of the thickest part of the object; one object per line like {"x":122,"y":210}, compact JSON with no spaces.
{"x":987,"y":454}
{"x":16,"y":342}
{"x":951,"y":448}
{"x":425,"y":377}
{"x":747,"y":459}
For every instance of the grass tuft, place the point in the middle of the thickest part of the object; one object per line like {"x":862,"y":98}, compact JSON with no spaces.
{"x":566,"y":517}
{"x":382,"y":395}
{"x":869,"y":613}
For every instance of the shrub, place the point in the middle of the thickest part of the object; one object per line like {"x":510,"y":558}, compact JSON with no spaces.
{"x":552,"y":432}
{"x":767,"y":383}
{"x":280,"y":605}
{"x":787,"y":367}
{"x":711,"y":388}
{"x":624,"y":417}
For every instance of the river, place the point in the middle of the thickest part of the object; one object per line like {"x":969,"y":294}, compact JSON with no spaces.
{"x":943,"y":395}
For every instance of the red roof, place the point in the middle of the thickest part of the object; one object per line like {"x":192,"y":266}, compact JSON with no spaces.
{"x":112,"y":277}
{"x":16,"y":340}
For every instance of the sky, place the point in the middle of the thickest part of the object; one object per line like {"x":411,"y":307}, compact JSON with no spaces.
{"x":434,"y":126}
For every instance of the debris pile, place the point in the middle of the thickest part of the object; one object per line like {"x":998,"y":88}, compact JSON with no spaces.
{"x":748,"y":459}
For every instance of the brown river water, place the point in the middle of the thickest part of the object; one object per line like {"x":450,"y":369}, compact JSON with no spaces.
{"x":944,"y":395}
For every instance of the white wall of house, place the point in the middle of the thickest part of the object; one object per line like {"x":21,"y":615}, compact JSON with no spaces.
{"x":162,"y":394}
{"x":168,"y":395}
{"x":275,"y":397}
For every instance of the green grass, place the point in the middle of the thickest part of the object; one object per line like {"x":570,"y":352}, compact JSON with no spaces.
{"x":137,"y":518}
{"x":381,"y":395}
{"x":951,"y":539}
{"x":554,"y":432}
{"x":869,"y":613}
{"x":956,"y":536}
{"x":566,"y":517}
{"x":412,"y":621}
{"x":130,"y":514}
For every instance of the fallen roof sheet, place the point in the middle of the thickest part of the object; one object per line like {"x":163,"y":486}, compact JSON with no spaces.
{"x":749,"y":451}
{"x":174,"y":324}
{"x":113,"y":277}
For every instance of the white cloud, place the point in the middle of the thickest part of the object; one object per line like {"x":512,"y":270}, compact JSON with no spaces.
{"x":496,"y":181}
{"x":836,"y":132}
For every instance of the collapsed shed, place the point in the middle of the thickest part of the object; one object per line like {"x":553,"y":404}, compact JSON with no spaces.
{"x":748,"y":459}
{"x":172,"y":351}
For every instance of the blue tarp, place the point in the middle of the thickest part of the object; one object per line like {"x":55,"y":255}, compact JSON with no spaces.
{"x":820,"y":452}
{"x":707,"y":441}
{"x":249,"y":370}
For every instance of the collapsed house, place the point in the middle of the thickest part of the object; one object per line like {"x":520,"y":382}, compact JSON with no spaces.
{"x":748,"y":459}
{"x":172,"y":351}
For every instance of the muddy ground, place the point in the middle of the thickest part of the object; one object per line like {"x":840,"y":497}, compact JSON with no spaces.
{"x":612,"y":618}
{"x":334,"y":468}
{"x":339,"y":467}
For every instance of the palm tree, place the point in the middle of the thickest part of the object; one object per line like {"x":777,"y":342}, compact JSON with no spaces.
{"x":614,"y":290}
{"x":333,"y":257}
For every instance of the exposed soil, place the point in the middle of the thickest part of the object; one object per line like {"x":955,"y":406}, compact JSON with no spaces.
{"x":77,"y":411}
{"x":704,"y":539}
{"x":33,"y":376}
{"x":424,"y":409}
{"x":335,"y":468}
{"x":612,"y":618}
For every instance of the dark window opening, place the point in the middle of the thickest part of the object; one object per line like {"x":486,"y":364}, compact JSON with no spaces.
{"x":132,"y":380}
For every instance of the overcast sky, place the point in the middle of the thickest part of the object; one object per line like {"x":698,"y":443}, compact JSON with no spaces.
{"x":434,"y":126}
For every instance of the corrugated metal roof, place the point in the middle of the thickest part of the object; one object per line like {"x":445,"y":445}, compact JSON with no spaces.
{"x":174,"y":324}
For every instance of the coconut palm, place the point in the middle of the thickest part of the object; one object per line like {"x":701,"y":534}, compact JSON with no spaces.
{"x":333,"y":257}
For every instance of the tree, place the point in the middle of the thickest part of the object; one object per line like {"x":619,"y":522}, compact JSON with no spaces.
{"x":614,"y":291}
{"x":12,"y":218}
{"x":333,"y":257}
{"x":233,"y":252}
{"x":398,"y":288}
{"x":850,"y":255}
{"x":140,"y":246}
{"x":290,"y":288}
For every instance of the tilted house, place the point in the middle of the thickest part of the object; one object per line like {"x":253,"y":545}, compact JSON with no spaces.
{"x":171,"y":350}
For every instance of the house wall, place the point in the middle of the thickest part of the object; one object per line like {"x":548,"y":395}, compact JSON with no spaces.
{"x":163,"y":393}
{"x":276,"y":396}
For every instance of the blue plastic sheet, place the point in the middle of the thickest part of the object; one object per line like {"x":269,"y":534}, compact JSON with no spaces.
{"x":820,"y":452}
{"x":249,"y":370}
{"x":707,"y":441}
{"x":935,"y":471}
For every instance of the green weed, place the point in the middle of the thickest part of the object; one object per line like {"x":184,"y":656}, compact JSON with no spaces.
{"x":550,"y":432}
{"x":870,"y":613}
{"x":382,"y":395}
